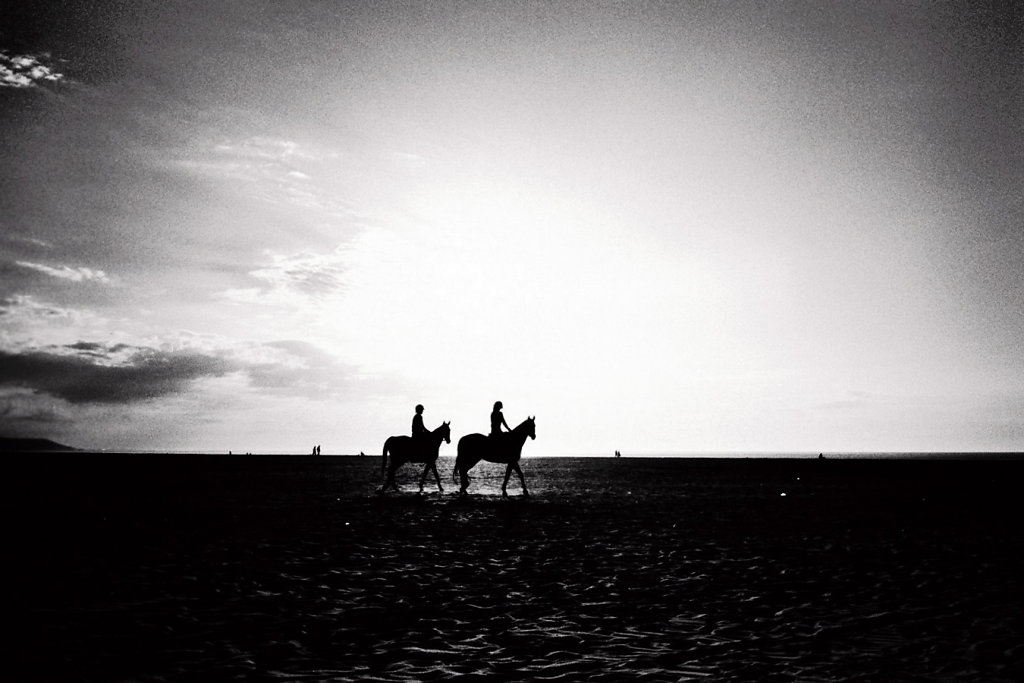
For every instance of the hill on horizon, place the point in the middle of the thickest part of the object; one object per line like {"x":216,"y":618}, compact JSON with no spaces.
{"x":15,"y":444}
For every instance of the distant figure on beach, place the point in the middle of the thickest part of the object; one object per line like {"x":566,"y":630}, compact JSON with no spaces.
{"x":318,"y":449}
{"x":498,"y":420}
{"x":618,"y":454}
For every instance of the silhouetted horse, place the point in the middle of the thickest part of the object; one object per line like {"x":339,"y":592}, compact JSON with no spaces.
{"x":405,"y":449}
{"x":502,"y":448}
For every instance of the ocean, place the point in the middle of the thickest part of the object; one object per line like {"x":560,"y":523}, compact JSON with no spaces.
{"x":210,"y":567}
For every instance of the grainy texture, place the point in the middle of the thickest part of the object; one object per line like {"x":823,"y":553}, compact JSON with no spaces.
{"x":159,"y":567}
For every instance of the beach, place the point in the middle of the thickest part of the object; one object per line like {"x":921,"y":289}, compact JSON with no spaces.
{"x":152,"y":567}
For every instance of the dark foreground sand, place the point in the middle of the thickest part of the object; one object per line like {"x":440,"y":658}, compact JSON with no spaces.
{"x":255,"y":568}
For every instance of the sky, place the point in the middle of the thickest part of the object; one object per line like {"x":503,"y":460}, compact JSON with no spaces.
{"x":657,"y":227}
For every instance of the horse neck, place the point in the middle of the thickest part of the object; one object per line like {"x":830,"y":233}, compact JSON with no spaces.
{"x":519,"y":433}
{"x":436,"y":437}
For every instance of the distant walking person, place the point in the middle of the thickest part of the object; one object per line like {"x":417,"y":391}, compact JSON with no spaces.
{"x":498,"y":420}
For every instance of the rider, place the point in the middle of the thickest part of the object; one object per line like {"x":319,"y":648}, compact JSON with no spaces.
{"x":498,"y":420}
{"x":418,"y":430}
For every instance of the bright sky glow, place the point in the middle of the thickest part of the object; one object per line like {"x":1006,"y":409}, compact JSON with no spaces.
{"x":659,"y":227}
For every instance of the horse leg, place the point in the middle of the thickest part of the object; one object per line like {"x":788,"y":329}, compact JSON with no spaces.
{"x":504,"y":484}
{"x":437,"y":476}
{"x":392,"y":470}
{"x":522,"y":480}
{"x":464,"y":467}
{"x":389,"y":480}
{"x":423,"y":477}
{"x":384,"y":469}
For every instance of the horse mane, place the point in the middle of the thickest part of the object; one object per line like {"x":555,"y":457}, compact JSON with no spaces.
{"x":523,"y":423}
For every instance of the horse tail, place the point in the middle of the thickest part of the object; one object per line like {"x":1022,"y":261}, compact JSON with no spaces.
{"x":455,"y":470}
{"x":384,"y":458}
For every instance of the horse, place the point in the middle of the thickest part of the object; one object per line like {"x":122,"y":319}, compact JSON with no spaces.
{"x":405,"y":449}
{"x":500,"y":448}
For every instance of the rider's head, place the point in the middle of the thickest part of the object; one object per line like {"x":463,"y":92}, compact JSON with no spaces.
{"x":497,"y":405}
{"x":419,"y":408}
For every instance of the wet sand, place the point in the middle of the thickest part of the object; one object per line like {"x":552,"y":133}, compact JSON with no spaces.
{"x":153,"y":567}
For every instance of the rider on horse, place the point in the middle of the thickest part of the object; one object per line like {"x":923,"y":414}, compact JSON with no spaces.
{"x":498,"y":420}
{"x":419,"y":431}
{"x":417,"y":422}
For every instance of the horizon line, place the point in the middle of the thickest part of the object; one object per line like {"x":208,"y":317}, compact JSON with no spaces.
{"x":640,"y":454}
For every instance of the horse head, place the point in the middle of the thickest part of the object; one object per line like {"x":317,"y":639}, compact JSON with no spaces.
{"x":530,"y":425}
{"x":445,"y":430}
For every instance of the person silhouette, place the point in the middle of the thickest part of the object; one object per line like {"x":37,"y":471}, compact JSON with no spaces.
{"x":498,"y":420}
{"x":418,"y":428}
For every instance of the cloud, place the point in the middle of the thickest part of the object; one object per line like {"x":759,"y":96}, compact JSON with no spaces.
{"x":94,"y":373}
{"x":88,"y":372}
{"x":25,"y":71}
{"x":292,"y":279}
{"x":23,"y":307}
{"x":80,"y":274}
{"x":311,"y":274}
{"x":265,"y":148}
{"x":22,"y":413}
{"x":255,"y":159}
{"x":276,"y":171}
{"x":28,"y":325}
{"x":21,"y":240}
{"x":298,"y":366}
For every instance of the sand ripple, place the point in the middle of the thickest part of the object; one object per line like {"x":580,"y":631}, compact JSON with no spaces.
{"x":712,"y":578}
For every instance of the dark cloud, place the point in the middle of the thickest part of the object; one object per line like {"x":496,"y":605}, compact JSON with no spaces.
{"x":79,"y":373}
{"x":89,"y":372}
